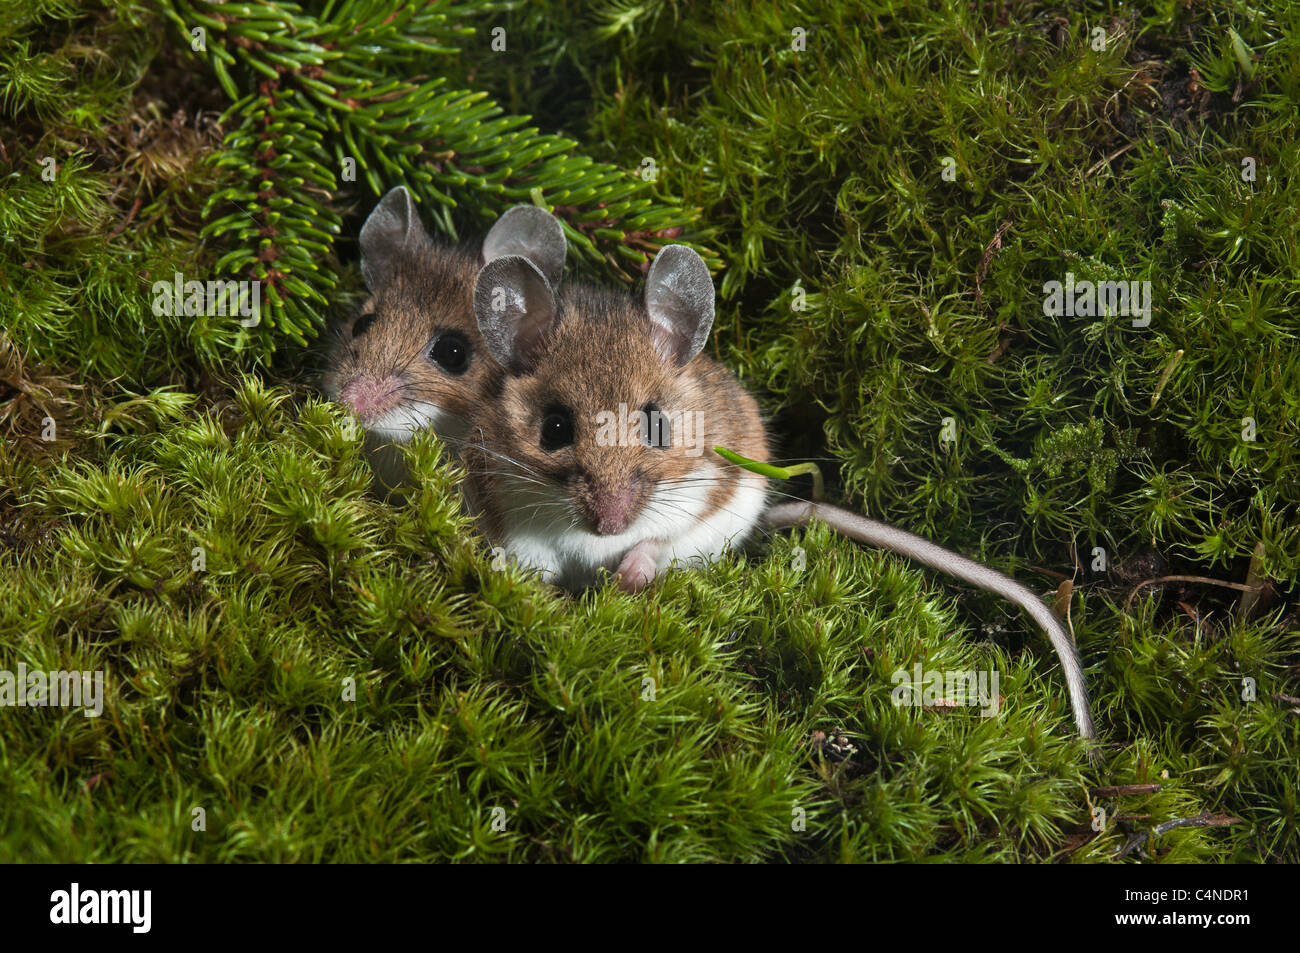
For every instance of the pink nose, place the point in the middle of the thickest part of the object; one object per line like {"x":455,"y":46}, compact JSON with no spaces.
{"x":612,"y":511}
{"x":369,"y":396}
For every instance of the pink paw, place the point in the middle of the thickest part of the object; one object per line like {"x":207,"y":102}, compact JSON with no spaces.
{"x":638,"y":569}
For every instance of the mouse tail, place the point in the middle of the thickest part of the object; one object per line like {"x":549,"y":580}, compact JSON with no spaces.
{"x":883,"y":536}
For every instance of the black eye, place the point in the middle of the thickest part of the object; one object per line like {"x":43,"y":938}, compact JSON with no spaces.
{"x":557,"y":429}
{"x":451,"y":351}
{"x":659,"y":429}
{"x":362,"y":324}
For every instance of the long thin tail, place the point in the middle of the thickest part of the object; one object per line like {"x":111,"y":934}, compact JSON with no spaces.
{"x":884,"y":536}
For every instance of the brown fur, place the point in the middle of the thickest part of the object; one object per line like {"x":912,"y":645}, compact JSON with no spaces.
{"x":601,"y":355}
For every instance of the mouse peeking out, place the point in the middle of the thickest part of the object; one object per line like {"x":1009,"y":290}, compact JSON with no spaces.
{"x":592,"y":456}
{"x":412,"y":359}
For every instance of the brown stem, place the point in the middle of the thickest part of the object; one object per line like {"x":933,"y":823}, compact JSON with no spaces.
{"x":1201,"y":820}
{"x":1204,"y":580}
{"x":1120,"y":790}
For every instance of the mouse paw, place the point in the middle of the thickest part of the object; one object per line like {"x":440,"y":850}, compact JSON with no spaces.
{"x":638,"y":568}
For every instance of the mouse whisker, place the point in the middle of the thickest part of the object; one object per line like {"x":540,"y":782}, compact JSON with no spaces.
{"x":682,"y":481}
{"x":521,"y":465}
{"x":400,"y":367}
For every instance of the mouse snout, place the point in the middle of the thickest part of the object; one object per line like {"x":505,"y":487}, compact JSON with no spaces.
{"x":611,"y":508}
{"x":369,"y":396}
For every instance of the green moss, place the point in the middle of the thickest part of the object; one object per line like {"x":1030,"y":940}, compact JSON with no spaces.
{"x":331,"y":677}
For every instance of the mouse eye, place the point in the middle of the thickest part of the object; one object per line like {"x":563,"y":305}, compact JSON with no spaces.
{"x":451,"y":351}
{"x":362,"y":324}
{"x":557,"y":429}
{"x":659,"y":430}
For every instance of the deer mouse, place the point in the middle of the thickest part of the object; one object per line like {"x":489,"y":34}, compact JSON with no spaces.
{"x":596,"y":452}
{"x":412,"y":358}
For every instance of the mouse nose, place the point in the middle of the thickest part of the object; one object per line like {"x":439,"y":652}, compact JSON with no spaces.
{"x":611,"y":509}
{"x":369,"y":396}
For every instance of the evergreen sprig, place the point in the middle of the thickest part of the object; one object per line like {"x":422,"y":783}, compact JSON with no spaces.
{"x":352,"y":89}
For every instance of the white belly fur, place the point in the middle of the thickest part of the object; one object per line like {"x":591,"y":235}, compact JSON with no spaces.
{"x":543,"y":532}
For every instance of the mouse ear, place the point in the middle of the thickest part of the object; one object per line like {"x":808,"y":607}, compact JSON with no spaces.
{"x":532,"y":233}
{"x":679,"y":297}
{"x":392,"y":230}
{"x":516,"y":309}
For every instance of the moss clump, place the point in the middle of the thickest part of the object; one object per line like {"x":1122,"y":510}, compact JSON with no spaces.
{"x":319,"y":675}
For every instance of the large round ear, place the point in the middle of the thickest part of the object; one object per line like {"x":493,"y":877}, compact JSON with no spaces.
{"x":532,"y":233}
{"x":516,"y":309}
{"x":679,"y":297}
{"x":392,"y":230}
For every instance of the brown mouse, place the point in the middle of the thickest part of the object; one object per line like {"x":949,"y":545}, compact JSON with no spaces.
{"x":596,"y":454}
{"x":412,"y":358}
